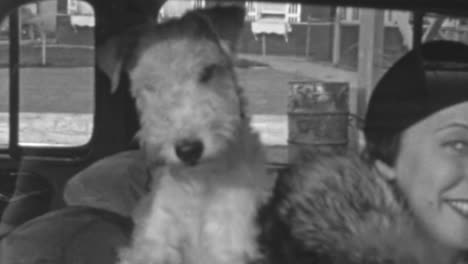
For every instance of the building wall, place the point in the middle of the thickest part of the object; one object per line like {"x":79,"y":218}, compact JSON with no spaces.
{"x":316,"y":13}
{"x":68,"y":34}
{"x":47,"y":11}
{"x":176,"y":8}
{"x":227,"y":2}
{"x":393,"y":46}
{"x":320,"y":43}
{"x":319,"y":49}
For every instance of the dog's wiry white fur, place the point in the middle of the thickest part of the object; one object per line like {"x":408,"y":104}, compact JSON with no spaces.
{"x":181,"y":107}
{"x":204,"y":213}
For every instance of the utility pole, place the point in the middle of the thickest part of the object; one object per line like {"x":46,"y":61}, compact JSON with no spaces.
{"x":336,"y":54}
{"x":370,"y":57}
{"x":370,"y":54}
{"x":40,"y":26}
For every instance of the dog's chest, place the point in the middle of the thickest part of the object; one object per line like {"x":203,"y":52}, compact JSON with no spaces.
{"x":211,"y":223}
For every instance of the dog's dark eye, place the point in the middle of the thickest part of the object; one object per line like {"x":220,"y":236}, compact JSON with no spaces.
{"x":207,"y":73}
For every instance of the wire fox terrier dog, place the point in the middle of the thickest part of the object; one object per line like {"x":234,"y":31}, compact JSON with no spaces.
{"x":207,"y":163}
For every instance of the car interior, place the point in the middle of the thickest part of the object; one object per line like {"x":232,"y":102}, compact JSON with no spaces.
{"x":58,"y":115}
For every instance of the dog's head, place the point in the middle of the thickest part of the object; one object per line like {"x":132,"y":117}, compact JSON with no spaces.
{"x":182,"y":78}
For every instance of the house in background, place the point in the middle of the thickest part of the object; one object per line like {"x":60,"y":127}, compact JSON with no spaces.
{"x":81,"y":13}
{"x":296,"y":29}
{"x":44,"y":14}
{"x":290,"y":13}
{"x":271,"y":28}
{"x":75,"y":22}
{"x":56,"y":18}
{"x":35,"y":18}
{"x":176,"y":8}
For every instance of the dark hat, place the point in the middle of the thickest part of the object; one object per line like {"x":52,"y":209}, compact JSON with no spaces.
{"x":419,"y":84}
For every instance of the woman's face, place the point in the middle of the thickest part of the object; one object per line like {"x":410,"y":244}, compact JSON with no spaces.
{"x":432,"y":171}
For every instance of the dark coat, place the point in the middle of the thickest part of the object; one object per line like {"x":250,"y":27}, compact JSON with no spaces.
{"x":334,"y":209}
{"x":72,"y":235}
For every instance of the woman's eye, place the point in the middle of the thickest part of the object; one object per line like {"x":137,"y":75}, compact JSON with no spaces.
{"x":459,"y":146}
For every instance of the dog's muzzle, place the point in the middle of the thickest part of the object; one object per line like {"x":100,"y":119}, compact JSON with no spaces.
{"x":189,"y":151}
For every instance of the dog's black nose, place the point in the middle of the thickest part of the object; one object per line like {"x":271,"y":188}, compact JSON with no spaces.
{"x":189,"y":151}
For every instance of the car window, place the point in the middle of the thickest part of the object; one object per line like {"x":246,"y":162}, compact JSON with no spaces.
{"x":55,"y":74}
{"x":328,"y":57}
{"x":290,"y":52}
{"x":4,"y":82}
{"x":299,"y":66}
{"x":438,"y":26}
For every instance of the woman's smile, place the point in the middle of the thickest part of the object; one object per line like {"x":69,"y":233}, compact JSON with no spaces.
{"x":460,"y":206}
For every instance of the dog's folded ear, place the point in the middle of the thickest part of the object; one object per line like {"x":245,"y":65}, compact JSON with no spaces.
{"x":220,"y":23}
{"x":112,"y":55}
{"x":226,"y":21}
{"x":109,"y":60}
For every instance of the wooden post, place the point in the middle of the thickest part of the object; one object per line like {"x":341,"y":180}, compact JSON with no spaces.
{"x":40,"y":25}
{"x":433,"y":30}
{"x":307,"y":47}
{"x":370,"y":51}
{"x":370,"y":55}
{"x":43,"y":46}
{"x":263,"y":44}
{"x":418,"y":17}
{"x":336,"y":38}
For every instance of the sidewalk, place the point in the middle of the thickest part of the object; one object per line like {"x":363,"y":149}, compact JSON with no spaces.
{"x":298,"y":65}
{"x":49,"y":129}
{"x":273,"y":129}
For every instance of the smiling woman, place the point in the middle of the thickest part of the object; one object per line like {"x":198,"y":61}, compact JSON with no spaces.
{"x":432,"y":170}
{"x":422,"y":145}
{"x":411,"y":204}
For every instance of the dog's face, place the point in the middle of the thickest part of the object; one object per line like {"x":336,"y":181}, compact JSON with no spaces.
{"x":187,"y":97}
{"x":183,"y":81}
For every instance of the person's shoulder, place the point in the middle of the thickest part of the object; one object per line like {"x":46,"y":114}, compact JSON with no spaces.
{"x":119,"y":163}
{"x":69,"y":235}
{"x":128,"y":156}
{"x":336,"y":208}
{"x":464,"y":258}
{"x":114,"y":183}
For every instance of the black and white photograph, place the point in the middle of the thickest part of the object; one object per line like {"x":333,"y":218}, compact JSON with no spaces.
{"x":233,"y":132}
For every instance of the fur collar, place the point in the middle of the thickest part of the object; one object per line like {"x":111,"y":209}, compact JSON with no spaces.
{"x":334,"y":209}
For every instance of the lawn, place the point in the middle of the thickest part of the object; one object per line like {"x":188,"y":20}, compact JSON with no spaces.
{"x":57,"y":56}
{"x":267,"y":89}
{"x":66,"y":84}
{"x":65,"y":90}
{"x":67,"y":56}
